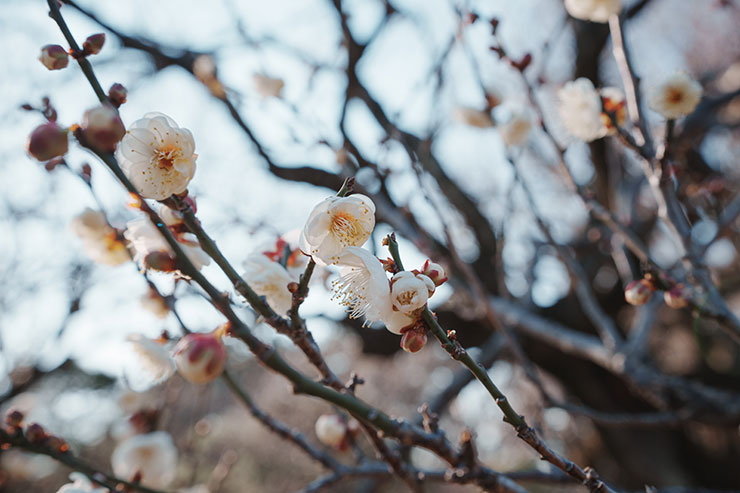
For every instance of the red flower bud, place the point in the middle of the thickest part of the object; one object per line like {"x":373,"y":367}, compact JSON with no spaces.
{"x":413,"y":340}
{"x":93,"y":44}
{"x":14,"y":418}
{"x":35,"y":433}
{"x":54,"y":57}
{"x":117,"y":94}
{"x":161,"y":261}
{"x":103,"y":128}
{"x":678,"y":296}
{"x":435,"y":272}
{"x":47,"y":141}
{"x":638,"y":292}
{"x":200,"y":358}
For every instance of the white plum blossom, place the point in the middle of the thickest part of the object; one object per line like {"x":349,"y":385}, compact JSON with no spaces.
{"x":363,"y":288}
{"x":269,"y":279}
{"x":515,"y":132}
{"x":80,"y":484}
{"x":268,"y":87}
{"x":152,"y":302}
{"x":473,"y":117}
{"x":99,"y":240}
{"x":409,"y":292}
{"x":146,"y":238}
{"x":153,"y":455}
{"x":152,"y":357}
{"x":676,"y":96}
{"x":157,"y":156}
{"x":363,"y":285}
{"x":337,"y":223}
{"x":581,"y":109}
{"x":593,"y":10}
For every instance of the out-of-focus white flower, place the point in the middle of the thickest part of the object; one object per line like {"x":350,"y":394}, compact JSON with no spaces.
{"x":676,"y":96}
{"x":581,"y":107}
{"x":153,"y":455}
{"x":363,"y":285}
{"x":198,"y":488}
{"x":593,"y":10}
{"x":132,"y":402}
{"x":269,"y":279}
{"x":146,"y":238}
{"x":515,"y":132}
{"x":99,"y":240}
{"x":152,"y":302}
{"x":410,"y":292}
{"x":473,"y":117}
{"x":200,"y":357}
{"x":80,"y":484}
{"x":170,"y":217}
{"x":153,"y":357}
{"x":331,"y":430}
{"x":157,"y":156}
{"x":337,"y":223}
{"x":25,"y":466}
{"x":268,"y":87}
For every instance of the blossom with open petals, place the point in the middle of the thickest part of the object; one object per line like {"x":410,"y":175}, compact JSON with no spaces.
{"x":363,"y":288}
{"x":337,"y":223}
{"x":409,"y":292}
{"x":153,"y":455}
{"x":269,"y":279}
{"x":146,"y":239}
{"x":676,"y":96}
{"x":593,"y":10}
{"x":80,"y":484}
{"x":99,"y":240}
{"x":152,"y":357}
{"x":157,"y":156}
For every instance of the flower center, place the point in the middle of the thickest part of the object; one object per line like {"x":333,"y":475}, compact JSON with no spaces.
{"x":165,"y":157}
{"x":345,"y":227}
{"x":675,"y":95}
{"x":406,"y":297}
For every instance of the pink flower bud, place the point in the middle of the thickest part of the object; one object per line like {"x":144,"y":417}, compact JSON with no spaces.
{"x":54,"y":57}
{"x":435,"y":272}
{"x":413,"y":340}
{"x":117,"y":94}
{"x":93,"y":44}
{"x":103,"y":128}
{"x":161,"y":261}
{"x":47,"y":141}
{"x":678,"y":296}
{"x":331,"y":430}
{"x":200,"y":358}
{"x":638,"y":292}
{"x":35,"y":433}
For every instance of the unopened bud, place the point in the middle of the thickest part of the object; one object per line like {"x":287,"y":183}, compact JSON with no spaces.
{"x":93,"y":44}
{"x":413,"y":340}
{"x":331,"y":430}
{"x":117,"y":94}
{"x":161,"y":261}
{"x":103,"y":128}
{"x":56,"y":443}
{"x":47,"y":141}
{"x":54,"y":57}
{"x":435,"y":272}
{"x":677,"y":297}
{"x":35,"y":433}
{"x":638,"y":292}
{"x":200,"y":358}
{"x":14,"y":418}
